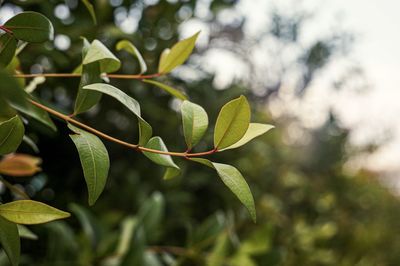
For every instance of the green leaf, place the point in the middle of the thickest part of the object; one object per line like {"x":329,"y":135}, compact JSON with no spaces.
{"x":11,"y":135}
{"x":151,"y":214}
{"x":94,"y":159}
{"x":30,"y":212}
{"x":9,"y":239}
{"x":234,"y":180}
{"x":130,"y":48}
{"x":87,"y":99}
{"x":145,"y":130}
{"x":88,"y":222}
{"x":177,"y":55}
{"x":168,"y":89}
{"x":8,"y":46}
{"x":254,"y":130}
{"x":97,"y":52}
{"x":157,"y":143}
{"x":90,"y":8}
{"x":136,"y":249}
{"x":232,"y":123}
{"x":31,"y":27}
{"x":195,"y":122}
{"x":25,"y":232}
{"x":12,"y":93}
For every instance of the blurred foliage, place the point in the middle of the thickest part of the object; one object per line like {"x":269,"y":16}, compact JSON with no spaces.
{"x":310,"y":210}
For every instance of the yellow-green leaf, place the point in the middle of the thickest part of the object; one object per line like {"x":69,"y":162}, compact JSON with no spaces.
{"x":177,"y":55}
{"x":31,"y":27}
{"x":11,"y":135}
{"x":168,"y":89}
{"x":195,"y":122}
{"x":130,"y":48}
{"x":9,"y":239}
{"x":254,"y":130}
{"x":232,"y":123}
{"x":94,"y":159}
{"x":30,"y":212}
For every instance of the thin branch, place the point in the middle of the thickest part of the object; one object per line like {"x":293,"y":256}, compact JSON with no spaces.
{"x":77,"y":75}
{"x":115,"y":140}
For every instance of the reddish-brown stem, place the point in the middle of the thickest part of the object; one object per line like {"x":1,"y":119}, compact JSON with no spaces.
{"x":77,"y":75}
{"x":5,"y":29}
{"x":71,"y":120}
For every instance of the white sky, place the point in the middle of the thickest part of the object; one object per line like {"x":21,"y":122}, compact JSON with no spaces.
{"x":375,"y":113}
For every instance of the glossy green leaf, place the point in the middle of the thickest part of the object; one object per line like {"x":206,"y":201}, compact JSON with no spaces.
{"x":94,"y":159}
{"x":177,"y":55}
{"x":157,"y":143}
{"x":8,"y":46}
{"x":11,"y":135}
{"x":168,"y":89}
{"x":30,"y":212}
{"x":234,"y":180}
{"x":9,"y":239}
{"x":195,"y":122}
{"x":97,"y":52}
{"x":89,"y":6}
{"x":145,"y":130}
{"x":11,"y":92}
{"x":254,"y":130}
{"x":130,"y":48}
{"x":31,"y":27}
{"x":232,"y":123}
{"x":25,"y":232}
{"x":6,"y":111}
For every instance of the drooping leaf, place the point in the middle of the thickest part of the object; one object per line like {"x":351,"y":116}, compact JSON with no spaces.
{"x":234,"y":180}
{"x":232,"y":123}
{"x":9,"y":239}
{"x":168,"y":89}
{"x":31,"y":27}
{"x":130,"y":48}
{"x":19,"y":165}
{"x":254,"y":130}
{"x":25,"y":232}
{"x":94,"y":159}
{"x":13,"y":94}
{"x":195,"y":122}
{"x":89,"y":6}
{"x":8,"y":46}
{"x":30,"y":212}
{"x":145,"y":130}
{"x":157,"y":143}
{"x":177,"y":55}
{"x":97,"y":52}
{"x":11,"y":135}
